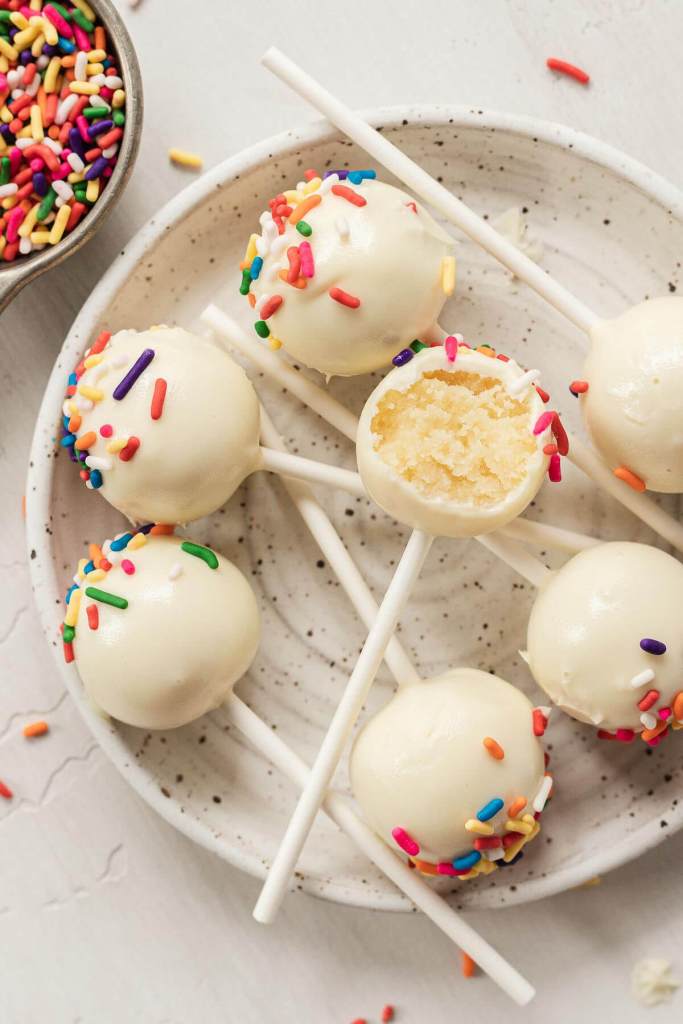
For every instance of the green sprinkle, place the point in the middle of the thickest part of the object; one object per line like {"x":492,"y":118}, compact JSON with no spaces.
{"x":68,"y":634}
{"x":47,"y":204}
{"x":304,"y":229}
{"x":246,"y":274}
{"x":90,"y":113}
{"x":4,"y":170}
{"x":119,"y":118}
{"x":5,"y":15}
{"x":80,"y":19}
{"x":105,"y":597}
{"x":206,"y":554}
{"x":262,"y":329}
{"x":417,"y":346}
{"x":62,"y":10}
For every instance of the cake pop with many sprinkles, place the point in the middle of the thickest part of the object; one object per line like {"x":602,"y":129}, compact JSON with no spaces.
{"x":160,"y":628}
{"x":452,"y":772}
{"x":347,"y":270}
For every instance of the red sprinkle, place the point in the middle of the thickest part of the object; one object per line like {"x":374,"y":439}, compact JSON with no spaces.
{"x":271,"y":306}
{"x":650,"y":698}
{"x":310,"y":174}
{"x":542,"y":393}
{"x":550,"y":449}
{"x":540,"y":722}
{"x":451,"y":346}
{"x":348,"y":193}
{"x":294,"y":257}
{"x":158,"y":397}
{"x":7,"y":793}
{"x":93,"y":614}
{"x":578,"y":387}
{"x":387,"y":1014}
{"x":412,"y":206}
{"x":487,"y":843}
{"x":100,"y":343}
{"x":342,"y":297}
{"x":568,"y":69}
{"x":127,"y":453}
{"x":560,"y":435}
{"x":555,"y":469}
{"x":68,"y":653}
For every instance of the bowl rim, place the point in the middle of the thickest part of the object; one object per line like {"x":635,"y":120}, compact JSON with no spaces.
{"x":41,"y":470}
{"x":13,"y":276}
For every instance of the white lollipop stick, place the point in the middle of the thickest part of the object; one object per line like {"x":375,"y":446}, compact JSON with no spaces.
{"x":545,"y":536}
{"x":347,"y":711}
{"x":339,"y":559}
{"x":514,"y":555}
{"x":313,"y":472}
{"x":339,"y":810}
{"x":431,"y":191}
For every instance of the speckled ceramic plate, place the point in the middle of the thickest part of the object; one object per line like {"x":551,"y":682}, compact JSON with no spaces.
{"x":613,"y":232}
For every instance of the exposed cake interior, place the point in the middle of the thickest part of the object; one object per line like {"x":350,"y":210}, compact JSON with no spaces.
{"x":456,"y":435}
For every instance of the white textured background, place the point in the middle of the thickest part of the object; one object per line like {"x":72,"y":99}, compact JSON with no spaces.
{"x":107,"y":916}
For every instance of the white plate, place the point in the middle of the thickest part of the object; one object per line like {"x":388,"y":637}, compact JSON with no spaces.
{"x":613,"y":232}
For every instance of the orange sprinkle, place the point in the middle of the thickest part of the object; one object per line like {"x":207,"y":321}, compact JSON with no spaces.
{"x":486,"y":351}
{"x":468,"y":966}
{"x":86,"y":440}
{"x":251,"y":298}
{"x":284,"y":276}
{"x":494,"y":748}
{"x":100,"y":342}
{"x":425,"y":867}
{"x":162,"y":529}
{"x":649,"y":734}
{"x":630,"y":478}
{"x":303,"y":208}
{"x":348,"y":193}
{"x":95,"y":553}
{"x":93,"y":613}
{"x":550,"y":449}
{"x":99,"y":38}
{"x":75,"y":423}
{"x":677,"y":705}
{"x":516,"y":807}
{"x":36,"y":729}
{"x":23,"y":506}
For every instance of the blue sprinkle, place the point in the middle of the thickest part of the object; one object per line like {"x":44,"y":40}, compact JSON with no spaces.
{"x":490,"y":810}
{"x":65,"y":421}
{"x":357,"y":176}
{"x":69,"y":592}
{"x":255,"y":269}
{"x":96,"y":481}
{"x":651,"y":646}
{"x":89,"y":566}
{"x":72,"y":380}
{"x":403,"y":357}
{"x":65,"y":45}
{"x":68,"y":440}
{"x":467,"y":862}
{"x":121,"y":542}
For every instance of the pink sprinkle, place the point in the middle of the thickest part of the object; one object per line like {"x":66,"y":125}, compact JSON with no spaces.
{"x":624,"y":735}
{"x":543,"y":422}
{"x":656,"y":740}
{"x":307,"y":264}
{"x":555,"y":469}
{"x":14,"y":220}
{"x":106,"y":430}
{"x":402,"y":839}
{"x":444,"y":868}
{"x":451,"y":346}
{"x":664,"y":713}
{"x":128,"y":566}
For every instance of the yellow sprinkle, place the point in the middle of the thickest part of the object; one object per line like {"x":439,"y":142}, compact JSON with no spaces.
{"x":519,"y":826}
{"x":590,"y":883}
{"x":96,"y":55}
{"x":185,"y":159}
{"x":75,"y":177}
{"x":116,"y":445}
{"x":73,"y":408}
{"x":93,"y":190}
{"x":24,"y":39}
{"x":137,"y":541}
{"x":312,"y":186}
{"x":3,"y":243}
{"x":59,"y":226}
{"x":50,"y":79}
{"x":85,"y":8}
{"x":94,"y":69}
{"x":250,"y":251}
{"x":50,"y":32}
{"x":6,"y":115}
{"x":274,"y":343}
{"x":94,"y":394}
{"x":71,"y":616}
{"x":448,"y":275}
{"x":292,"y":197}
{"x":92,"y":360}
{"x":9,"y":203}
{"x":84,"y":88}
{"x":96,"y":575}
{"x":29,"y":221}
{"x":40,"y":237}
{"x":37,"y":123}
{"x":481,"y":828}
{"x":18,"y":20}
{"x":4,"y":63}
{"x":118,"y":99}
{"x":7,"y":50}
{"x":37,"y":46}
{"x":36,"y":5}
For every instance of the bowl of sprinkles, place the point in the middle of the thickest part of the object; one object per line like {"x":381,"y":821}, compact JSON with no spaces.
{"x":70,"y":123}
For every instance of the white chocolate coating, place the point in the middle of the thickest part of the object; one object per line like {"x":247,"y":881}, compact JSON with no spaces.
{"x":633,"y":406}
{"x":583,"y":640}
{"x":444,"y":515}
{"x":383,"y":253}
{"x":420,"y":763}
{"x":191,"y":459}
{"x":188,"y":634}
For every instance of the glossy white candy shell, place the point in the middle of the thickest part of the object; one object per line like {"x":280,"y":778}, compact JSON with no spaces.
{"x":467,"y":608}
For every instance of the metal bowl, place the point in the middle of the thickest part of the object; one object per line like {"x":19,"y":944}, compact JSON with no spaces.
{"x":13,"y":276}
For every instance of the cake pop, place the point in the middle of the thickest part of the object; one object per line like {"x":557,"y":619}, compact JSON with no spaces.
{"x":160,"y":628}
{"x":347,"y":270}
{"x":604,"y":640}
{"x":452,"y":772}
{"x":456,"y":442}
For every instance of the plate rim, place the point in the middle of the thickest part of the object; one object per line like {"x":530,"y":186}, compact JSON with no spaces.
{"x":41,"y":471}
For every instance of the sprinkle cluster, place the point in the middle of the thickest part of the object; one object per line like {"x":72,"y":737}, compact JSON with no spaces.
{"x":62,"y":118}
{"x":657,"y":715}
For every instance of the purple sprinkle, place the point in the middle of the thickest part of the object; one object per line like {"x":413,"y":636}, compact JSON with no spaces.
{"x":101,"y":126}
{"x":76,"y":143}
{"x":651,"y":646}
{"x":343,"y":175}
{"x":138,"y":367}
{"x":403,"y":357}
{"x":96,"y":170}
{"x":40,"y":184}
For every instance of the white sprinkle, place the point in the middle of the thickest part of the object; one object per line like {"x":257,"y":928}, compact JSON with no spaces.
{"x":74,"y":161}
{"x":327,"y":183}
{"x":65,"y":107}
{"x":175,"y":571}
{"x":110,"y":81}
{"x":52,"y":144}
{"x":98,"y":101}
{"x":278,"y":245}
{"x":262,"y":247}
{"x":42,"y":62}
{"x":539,"y":800}
{"x":110,"y":152}
{"x":25,"y":246}
{"x":342,"y":226}
{"x":96,"y":462}
{"x":518,"y":385}
{"x":63,"y":190}
{"x":80,"y":66}
{"x":652,"y":981}
{"x":83,"y":403}
{"x":495,"y":854}
{"x":33,"y":87}
{"x":642,"y":679}
{"x":59,"y":202}
{"x":8,"y":190}
{"x":260,"y":304}
{"x":25,"y":143}
{"x":648,"y":720}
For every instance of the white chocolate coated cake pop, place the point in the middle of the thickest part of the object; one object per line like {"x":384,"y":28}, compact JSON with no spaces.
{"x":165,"y":423}
{"x":452,"y":442}
{"x":347,"y":272}
{"x":605,"y":640}
{"x":452,"y":771}
{"x":633,"y":406}
{"x":160,"y":629}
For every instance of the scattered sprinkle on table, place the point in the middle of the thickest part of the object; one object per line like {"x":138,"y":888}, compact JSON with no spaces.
{"x":468,"y":966}
{"x":568,"y":69}
{"x":5,"y":791}
{"x":62,"y":118}
{"x":184,"y":159}
{"x":387,"y":1014}
{"x":35,"y":729}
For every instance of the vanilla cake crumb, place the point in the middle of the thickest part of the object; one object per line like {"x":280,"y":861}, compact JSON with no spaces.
{"x":457,"y":436}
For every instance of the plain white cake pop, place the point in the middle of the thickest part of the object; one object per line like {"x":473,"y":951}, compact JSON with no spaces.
{"x":370,"y":277}
{"x":452,"y":772}
{"x":594,"y":631}
{"x":163,"y":632}
{"x":633,"y":406}
{"x":177,"y":443}
{"x":448,"y":446}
